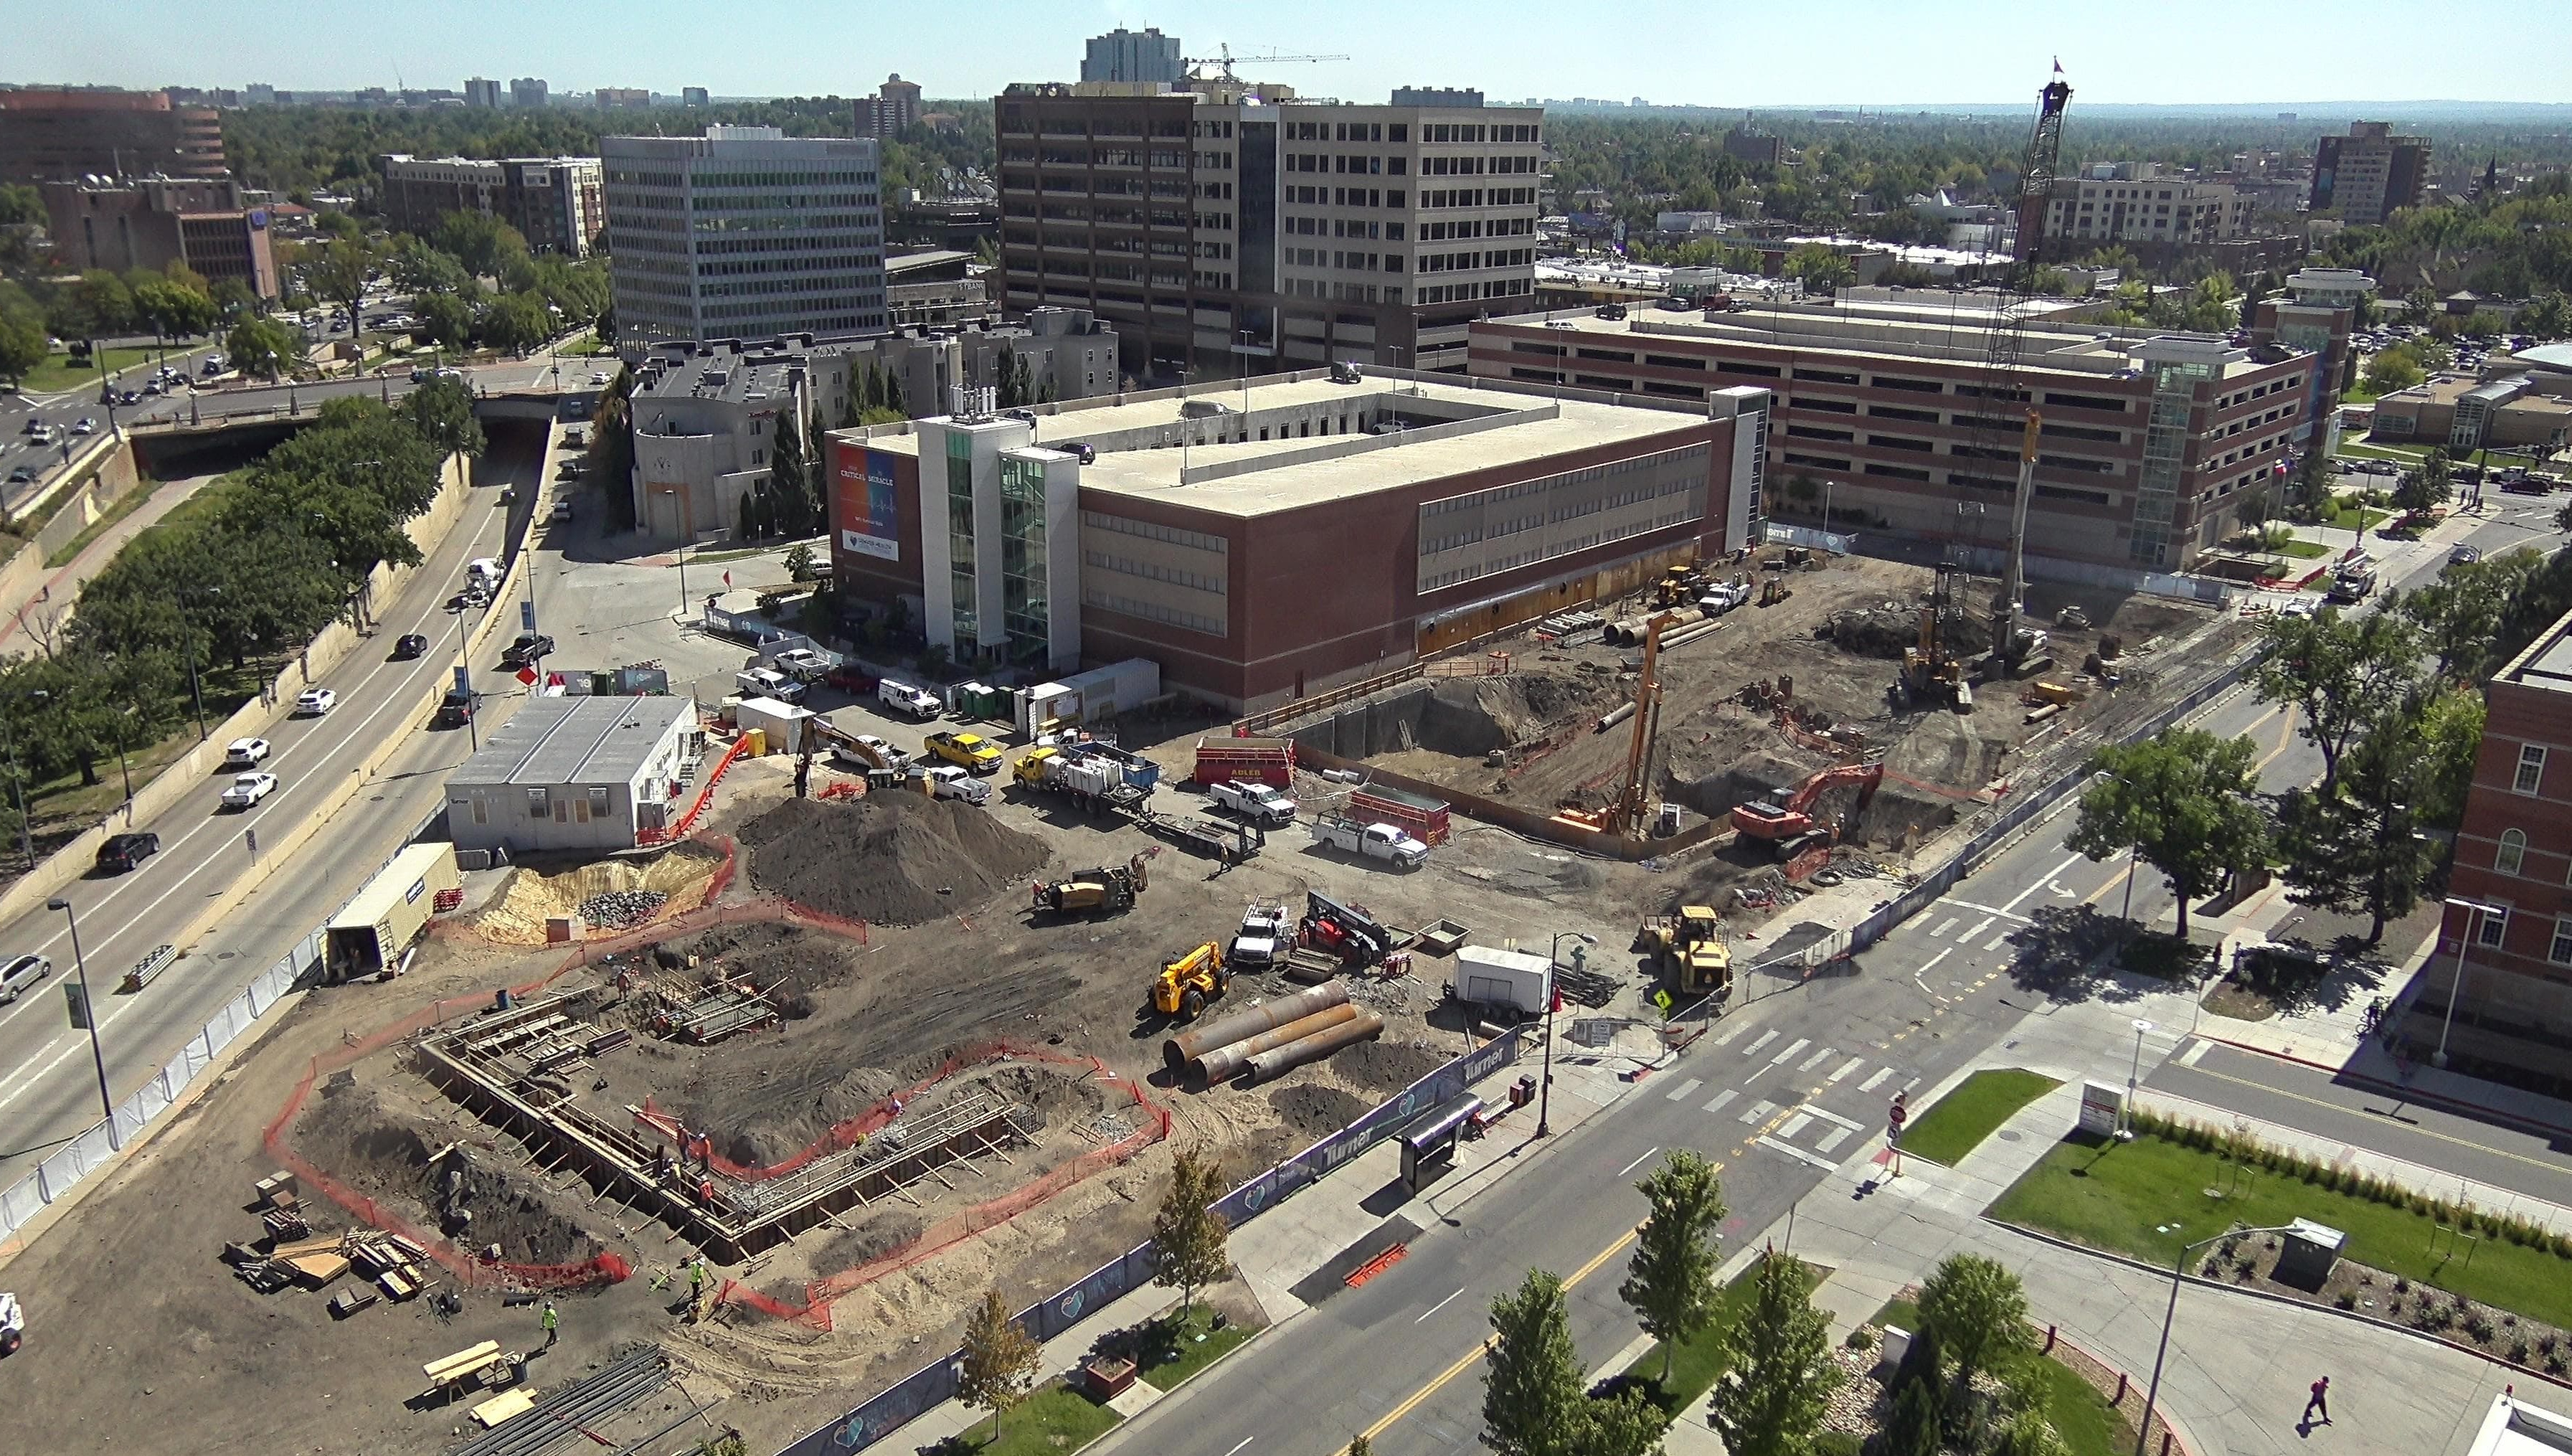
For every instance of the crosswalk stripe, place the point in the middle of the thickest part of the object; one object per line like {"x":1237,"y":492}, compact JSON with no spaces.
{"x":1765,"y":1038}
{"x":1757,"y":1110}
{"x":1852,"y":1065}
{"x":1876,"y":1080}
{"x":1797,"y":1154}
{"x":1795,"y":1125}
{"x":1996,"y":943}
{"x":1735,"y":1029}
{"x":2189,"y":1056}
{"x":1944,"y":926}
{"x":1977,"y":928}
{"x":1726,"y":1095}
{"x":1831,"y":1116}
{"x":1679,"y":1093}
{"x":1832,"y":1138}
{"x":1800,"y":1044}
{"x":1817,"y":1058}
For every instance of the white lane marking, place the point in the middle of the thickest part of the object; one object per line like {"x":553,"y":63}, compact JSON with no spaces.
{"x":1986,"y":908}
{"x":1735,"y":1029}
{"x":2189,"y":1057}
{"x":1621,"y":1172}
{"x":1679,"y":1093}
{"x":1945,"y":925}
{"x":1852,"y":1065}
{"x":1908,"y":1086}
{"x":1917,"y":976}
{"x":1977,"y":930}
{"x":1795,"y":1125}
{"x":1876,"y":1080}
{"x":1797,"y":1154}
{"x":1817,"y":1058}
{"x":1831,"y":1139}
{"x":1757,"y":1110}
{"x":1828,"y":1115}
{"x":2048,"y":879}
{"x":1236,"y":1451}
{"x":1450,"y":1299}
{"x":29,"y":1067}
{"x":1996,"y":943}
{"x":1726,"y":1095}
{"x":1765,"y":1038}
{"x":1800,"y":1044}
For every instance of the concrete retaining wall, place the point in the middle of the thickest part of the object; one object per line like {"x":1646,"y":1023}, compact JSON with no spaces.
{"x":114,"y":477}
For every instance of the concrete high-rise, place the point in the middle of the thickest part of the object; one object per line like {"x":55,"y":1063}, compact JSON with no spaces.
{"x":1144,"y":56}
{"x":483,"y":93}
{"x":1228,"y":224}
{"x":555,"y":202}
{"x":894,"y":107}
{"x":527,"y":91}
{"x":2369,"y":173}
{"x":50,"y":134}
{"x":744,"y":233}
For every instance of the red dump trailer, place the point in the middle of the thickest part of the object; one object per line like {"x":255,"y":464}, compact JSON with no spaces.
{"x":1250,"y":760}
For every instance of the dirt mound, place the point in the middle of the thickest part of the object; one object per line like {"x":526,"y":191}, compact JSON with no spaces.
{"x":888,"y":858}
{"x":1316,"y":1112}
{"x":1386,"y":1066}
{"x":516,"y":916}
{"x":877,"y":1233}
{"x":787,"y":962}
{"x":356,"y":1139}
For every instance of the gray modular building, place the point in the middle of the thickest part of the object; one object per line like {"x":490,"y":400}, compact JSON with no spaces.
{"x":576,"y":775}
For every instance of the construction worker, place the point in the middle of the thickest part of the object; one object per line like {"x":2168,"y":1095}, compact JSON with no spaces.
{"x":551,"y":1321}
{"x":697,"y":1288}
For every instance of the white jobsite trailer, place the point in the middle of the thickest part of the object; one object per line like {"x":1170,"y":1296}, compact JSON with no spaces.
{"x":1093,"y":697}
{"x":370,"y":935}
{"x":1502,"y":979}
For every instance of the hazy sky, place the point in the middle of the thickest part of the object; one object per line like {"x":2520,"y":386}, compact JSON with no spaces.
{"x":1872,"y":52}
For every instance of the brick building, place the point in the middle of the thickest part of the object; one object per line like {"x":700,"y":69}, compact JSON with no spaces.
{"x":2152,"y":443}
{"x":555,"y":202}
{"x":1265,"y":544}
{"x":2514,"y":1019}
{"x":50,"y":135}
{"x":154,"y":222}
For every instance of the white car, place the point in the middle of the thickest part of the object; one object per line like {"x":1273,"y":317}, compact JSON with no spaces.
{"x":947,"y":781}
{"x":84,"y":425}
{"x":313,"y":702}
{"x":244,"y":753}
{"x":598,"y":377}
{"x":249,"y":789}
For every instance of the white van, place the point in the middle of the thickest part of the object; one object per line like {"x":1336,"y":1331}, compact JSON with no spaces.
{"x":484,"y":570}
{"x":21,"y":975}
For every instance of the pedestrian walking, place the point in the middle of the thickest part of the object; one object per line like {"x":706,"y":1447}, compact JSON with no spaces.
{"x":2320,"y":1400}
{"x":551,"y":1321}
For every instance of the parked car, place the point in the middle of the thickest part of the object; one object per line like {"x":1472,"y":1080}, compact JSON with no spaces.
{"x":122,"y":852}
{"x":2525,"y":486}
{"x":313,"y":702}
{"x":21,"y":973}
{"x":597,"y":376}
{"x":244,"y":753}
{"x":529,"y":649}
{"x":410,"y":645}
{"x":562,"y":510}
{"x":22,"y":476}
{"x":2465,"y":555}
{"x":247,"y":789}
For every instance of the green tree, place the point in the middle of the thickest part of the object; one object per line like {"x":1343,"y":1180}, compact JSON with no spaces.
{"x":105,"y":304}
{"x":1819,"y":267}
{"x":339,"y":275}
{"x":418,"y":268}
{"x":1189,"y":1239}
{"x":481,"y":243}
{"x":2461,"y":614}
{"x":260,"y":347}
{"x":800,"y":565}
{"x":2029,"y":1433}
{"x":21,"y":206}
{"x":1669,"y":1283}
{"x":2181,"y":802}
{"x":790,"y":476}
{"x":22,"y":346}
{"x":2358,"y":847}
{"x":2341,"y":674}
{"x":1778,"y":1376}
{"x":440,"y":411}
{"x":1000,"y":1360}
{"x":516,"y":322}
{"x":1980,"y":1313}
{"x":2392,"y":370}
{"x":1919,"y":1391}
{"x":1007,"y":388}
{"x":1532,"y":1401}
{"x":446,"y":318}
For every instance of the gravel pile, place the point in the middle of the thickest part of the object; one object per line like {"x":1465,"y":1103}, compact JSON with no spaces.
{"x":620,"y":907}
{"x":887,"y":858}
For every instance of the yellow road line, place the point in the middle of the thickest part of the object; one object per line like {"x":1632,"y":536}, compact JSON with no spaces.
{"x":2555,"y":1167}
{"x":2286,"y":737}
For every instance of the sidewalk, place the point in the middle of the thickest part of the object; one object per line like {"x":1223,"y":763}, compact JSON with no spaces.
{"x":62,"y":585}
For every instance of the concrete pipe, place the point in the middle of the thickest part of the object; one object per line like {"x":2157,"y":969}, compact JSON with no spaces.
{"x":1625,"y":633}
{"x":1622,"y":713}
{"x":1187,"y":1047}
{"x":1364,"y":1027}
{"x":1226,"y":1063}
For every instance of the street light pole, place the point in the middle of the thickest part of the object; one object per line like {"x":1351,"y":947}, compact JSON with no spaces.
{"x":2456,"y":989}
{"x":2134,"y":1078}
{"x":1544,"y":1088}
{"x":89,"y":1014}
{"x":2178,"y":1275}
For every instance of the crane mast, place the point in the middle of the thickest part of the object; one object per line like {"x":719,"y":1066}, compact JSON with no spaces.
{"x":2001,"y":364}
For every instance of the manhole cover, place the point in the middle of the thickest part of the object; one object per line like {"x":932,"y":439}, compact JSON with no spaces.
{"x":2006,"y":1136}
{"x":228,"y":955}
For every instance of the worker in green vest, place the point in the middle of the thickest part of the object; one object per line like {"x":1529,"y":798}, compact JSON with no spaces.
{"x":697,"y":1288}
{"x":550,"y":1321}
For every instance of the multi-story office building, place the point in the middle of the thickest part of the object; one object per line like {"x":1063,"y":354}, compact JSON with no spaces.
{"x":692,"y":95}
{"x":1229,"y":223}
{"x":258,"y":93}
{"x":1144,"y":57}
{"x":744,"y":233}
{"x":2153,"y":445}
{"x":483,"y":93}
{"x":53,"y":135}
{"x":2134,"y":202}
{"x":2370,"y":171}
{"x":555,"y":202}
{"x":527,"y":91}
{"x":2318,"y":314}
{"x":626,"y":98}
{"x":151,"y":223}
{"x":706,"y":415}
{"x":1754,"y":148}
{"x":1264,"y":542}
{"x":894,"y":108}
{"x":2512,"y":996}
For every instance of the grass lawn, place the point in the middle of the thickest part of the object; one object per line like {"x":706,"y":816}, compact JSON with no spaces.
{"x":2089,"y":1425}
{"x":1699,"y":1362}
{"x":2408,"y":453}
{"x":129,"y":503}
{"x":2306,"y":551}
{"x":56,"y":374}
{"x":1961,"y":1119}
{"x":1052,"y":1422}
{"x":2150,"y":1196}
{"x":1173,"y":1350}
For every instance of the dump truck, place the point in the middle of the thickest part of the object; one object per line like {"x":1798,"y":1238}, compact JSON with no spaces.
{"x":1187,"y":982}
{"x":1372,"y":841}
{"x":1265,"y":760}
{"x":1689,"y":948}
{"x":1107,"y":890}
{"x":970,"y":752}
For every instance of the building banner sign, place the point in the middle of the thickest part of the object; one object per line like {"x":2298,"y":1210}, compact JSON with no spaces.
{"x":869,"y":518}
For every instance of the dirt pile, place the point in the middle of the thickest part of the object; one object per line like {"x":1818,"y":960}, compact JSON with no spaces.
{"x":1316,"y":1112}
{"x":622,"y":889}
{"x":361,"y":1142}
{"x":888,"y":859}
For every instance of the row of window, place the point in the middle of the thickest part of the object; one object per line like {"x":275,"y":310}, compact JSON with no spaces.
{"x":1153,"y":571}
{"x":1154,"y":531}
{"x":1153,"y":612}
{"x":1495,"y":565}
{"x":1478,"y":227}
{"x":1342,"y":228}
{"x":1478,"y":196}
{"x":1467,"y":133}
{"x":1466,"y":261}
{"x":1498,"y":288}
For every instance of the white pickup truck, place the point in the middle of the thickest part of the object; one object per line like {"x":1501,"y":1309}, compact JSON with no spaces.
{"x":904,"y":698}
{"x":1260,"y":803}
{"x":1373,"y":841}
{"x":761,"y":682}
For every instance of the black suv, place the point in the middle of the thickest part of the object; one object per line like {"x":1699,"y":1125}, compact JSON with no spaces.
{"x":122,"y":852}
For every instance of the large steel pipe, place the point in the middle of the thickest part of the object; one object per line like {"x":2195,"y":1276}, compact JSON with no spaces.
{"x":1187,"y":1047}
{"x":1226,"y":1063}
{"x":1363,"y":1028}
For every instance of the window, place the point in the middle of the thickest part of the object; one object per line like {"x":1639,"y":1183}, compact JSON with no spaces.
{"x":2531,"y":768}
{"x":538,"y":807}
{"x":2560,"y":952}
{"x":2514,"y":852}
{"x":2491,"y":929}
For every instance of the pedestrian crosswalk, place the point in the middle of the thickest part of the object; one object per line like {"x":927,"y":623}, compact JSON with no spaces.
{"x":1790,"y":1121}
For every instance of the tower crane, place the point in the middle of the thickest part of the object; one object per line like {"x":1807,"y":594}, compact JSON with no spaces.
{"x":1225,"y":60}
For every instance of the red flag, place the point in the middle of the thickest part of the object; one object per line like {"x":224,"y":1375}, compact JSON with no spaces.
{"x":1558,"y":1000}
{"x":727,"y":580}
{"x":528,"y":675}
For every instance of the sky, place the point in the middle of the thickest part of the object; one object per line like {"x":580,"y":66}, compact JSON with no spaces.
{"x":1876,"y":53}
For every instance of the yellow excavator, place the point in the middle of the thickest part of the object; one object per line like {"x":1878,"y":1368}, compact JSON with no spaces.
{"x":1188,"y":983}
{"x":1689,"y":949}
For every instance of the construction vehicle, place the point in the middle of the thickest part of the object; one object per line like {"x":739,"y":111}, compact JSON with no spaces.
{"x":1789,"y":822}
{"x":1384,"y":842}
{"x":1347,"y":931}
{"x":1678,"y":587}
{"x":1188,"y":983}
{"x":1931,"y":670}
{"x":859,"y":752}
{"x":1689,"y":950}
{"x":1264,"y":938}
{"x":970,"y":752}
{"x":1108,"y":890}
{"x":1094,"y":784}
{"x":1625,"y":815}
{"x":1773,"y":590}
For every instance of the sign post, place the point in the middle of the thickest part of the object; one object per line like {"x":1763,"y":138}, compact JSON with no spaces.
{"x":1895,"y":1115}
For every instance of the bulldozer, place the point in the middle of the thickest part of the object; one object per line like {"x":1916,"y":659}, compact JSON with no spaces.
{"x":1188,"y":983}
{"x":1689,"y":948}
{"x":1678,"y":587}
{"x":1105,"y":890}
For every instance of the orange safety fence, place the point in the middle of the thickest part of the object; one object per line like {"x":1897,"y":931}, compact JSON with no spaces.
{"x":704,"y":796}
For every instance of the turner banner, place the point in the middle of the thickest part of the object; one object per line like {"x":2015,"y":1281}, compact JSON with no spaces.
{"x":869,"y":517}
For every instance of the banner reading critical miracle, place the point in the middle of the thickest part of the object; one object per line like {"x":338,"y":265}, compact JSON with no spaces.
{"x":869,"y":521}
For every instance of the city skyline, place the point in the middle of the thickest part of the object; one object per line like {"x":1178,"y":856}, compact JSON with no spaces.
{"x":1985,"y":52}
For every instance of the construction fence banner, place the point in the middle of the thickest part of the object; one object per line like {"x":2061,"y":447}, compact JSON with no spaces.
{"x":1838,"y":543}
{"x":933,"y":1384}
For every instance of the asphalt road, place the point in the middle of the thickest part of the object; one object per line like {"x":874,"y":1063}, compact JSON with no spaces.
{"x":48,"y":1089}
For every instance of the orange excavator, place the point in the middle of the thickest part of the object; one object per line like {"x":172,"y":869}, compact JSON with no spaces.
{"x":1788,"y":822}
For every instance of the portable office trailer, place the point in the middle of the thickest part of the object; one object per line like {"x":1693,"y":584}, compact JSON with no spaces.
{"x":1509,"y":979}
{"x":392,"y":911}
{"x":1091,"y":697}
